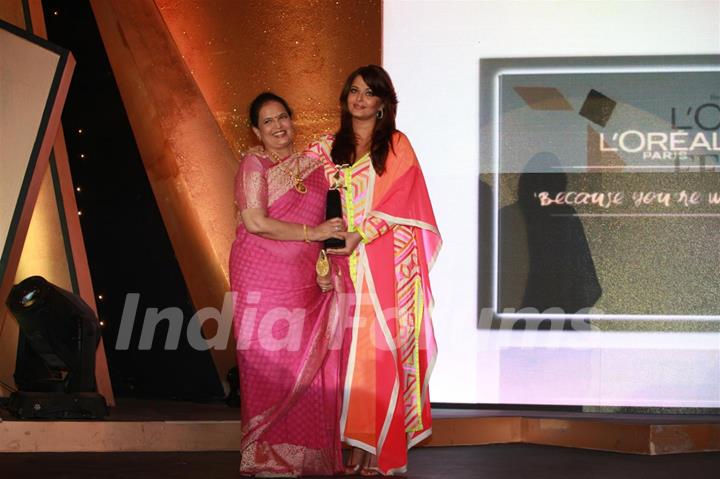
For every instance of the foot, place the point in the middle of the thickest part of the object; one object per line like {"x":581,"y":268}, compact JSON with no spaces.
{"x":355,"y":462}
{"x":370,"y":466}
{"x":370,"y":471}
{"x":351,"y":470}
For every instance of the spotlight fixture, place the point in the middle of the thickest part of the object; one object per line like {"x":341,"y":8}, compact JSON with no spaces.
{"x":55,"y":366}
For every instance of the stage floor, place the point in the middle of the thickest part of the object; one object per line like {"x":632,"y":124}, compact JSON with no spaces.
{"x":163,"y":426}
{"x":505,"y":461}
{"x":133,"y":409}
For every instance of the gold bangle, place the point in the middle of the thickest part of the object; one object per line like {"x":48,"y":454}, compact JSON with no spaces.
{"x":305,"y":233}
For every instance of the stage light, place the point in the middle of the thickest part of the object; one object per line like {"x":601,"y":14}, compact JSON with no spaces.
{"x":55,"y":366}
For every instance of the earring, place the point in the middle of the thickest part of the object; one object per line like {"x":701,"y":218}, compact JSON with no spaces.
{"x":380,"y":114}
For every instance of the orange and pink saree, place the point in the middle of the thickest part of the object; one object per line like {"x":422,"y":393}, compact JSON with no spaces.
{"x":386,"y":405}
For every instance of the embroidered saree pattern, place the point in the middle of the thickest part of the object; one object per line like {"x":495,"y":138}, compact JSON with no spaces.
{"x":355,"y":202}
{"x":268,"y":180}
{"x":407,"y":276}
{"x":286,"y":329}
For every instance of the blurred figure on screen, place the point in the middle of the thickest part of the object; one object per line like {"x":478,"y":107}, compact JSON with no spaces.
{"x":543,"y":249}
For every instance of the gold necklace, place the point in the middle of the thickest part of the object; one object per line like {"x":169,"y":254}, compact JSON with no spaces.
{"x":295,"y":177}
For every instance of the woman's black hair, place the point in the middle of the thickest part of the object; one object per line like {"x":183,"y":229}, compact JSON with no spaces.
{"x":260,"y":101}
{"x":343,"y":150}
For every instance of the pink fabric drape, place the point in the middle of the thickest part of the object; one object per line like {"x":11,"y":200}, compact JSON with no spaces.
{"x":287,"y":331}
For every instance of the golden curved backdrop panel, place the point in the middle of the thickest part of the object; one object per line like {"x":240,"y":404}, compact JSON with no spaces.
{"x":187,"y":70}
{"x":301,"y":50}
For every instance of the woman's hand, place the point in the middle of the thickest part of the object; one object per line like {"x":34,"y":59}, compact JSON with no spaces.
{"x":325,"y":282}
{"x":352,"y":239}
{"x":332,"y":228}
{"x":257,"y":222}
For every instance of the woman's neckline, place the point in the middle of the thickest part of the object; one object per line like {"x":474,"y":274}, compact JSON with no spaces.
{"x":362,"y":159}
{"x":273,"y":158}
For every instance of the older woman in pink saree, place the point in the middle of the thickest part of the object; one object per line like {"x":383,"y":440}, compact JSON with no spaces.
{"x":287,"y":329}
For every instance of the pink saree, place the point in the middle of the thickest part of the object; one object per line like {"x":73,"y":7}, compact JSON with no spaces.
{"x":287,"y":330}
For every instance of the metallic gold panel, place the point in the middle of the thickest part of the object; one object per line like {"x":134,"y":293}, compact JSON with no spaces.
{"x":189,"y":164}
{"x":11,"y":11}
{"x":187,"y":71}
{"x":302,"y":50}
{"x":43,"y":254}
{"x":44,"y":251}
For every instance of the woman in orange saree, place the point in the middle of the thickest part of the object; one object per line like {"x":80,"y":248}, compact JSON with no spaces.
{"x":391,"y":245}
{"x":284,"y":325}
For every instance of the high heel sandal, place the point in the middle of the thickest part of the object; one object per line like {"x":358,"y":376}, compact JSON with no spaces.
{"x":368,"y":471}
{"x":351,"y":470}
{"x":354,"y":464}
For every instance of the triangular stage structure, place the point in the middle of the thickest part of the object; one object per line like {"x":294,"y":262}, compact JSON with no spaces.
{"x":39,"y":223}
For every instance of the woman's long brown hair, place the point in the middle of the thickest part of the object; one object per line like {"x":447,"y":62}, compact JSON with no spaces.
{"x":343,"y":150}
